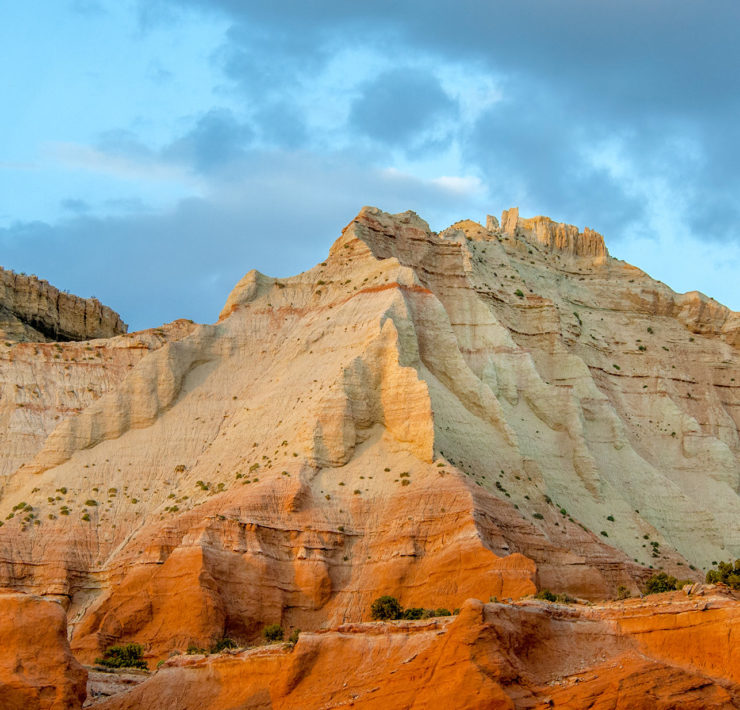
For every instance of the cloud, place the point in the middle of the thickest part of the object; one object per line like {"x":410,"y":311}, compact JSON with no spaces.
{"x":216,"y":140}
{"x":641,"y":75}
{"x":75,"y":206}
{"x":400,"y":107}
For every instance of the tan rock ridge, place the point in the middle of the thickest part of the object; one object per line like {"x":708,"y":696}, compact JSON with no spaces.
{"x":475,"y":413}
{"x":33,"y":310}
{"x":552,"y":236}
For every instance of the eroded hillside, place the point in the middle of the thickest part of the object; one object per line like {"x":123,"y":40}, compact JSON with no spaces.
{"x":477,"y":413}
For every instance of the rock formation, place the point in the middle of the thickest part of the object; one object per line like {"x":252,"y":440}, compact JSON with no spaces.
{"x":479,"y":413}
{"x":33,"y":310}
{"x":665,"y":652}
{"x":37,"y":669}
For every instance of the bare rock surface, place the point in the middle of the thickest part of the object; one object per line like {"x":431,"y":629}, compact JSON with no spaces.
{"x":37,"y":668}
{"x":33,"y":310}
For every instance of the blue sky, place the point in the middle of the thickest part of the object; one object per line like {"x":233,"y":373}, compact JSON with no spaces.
{"x":153,"y":151}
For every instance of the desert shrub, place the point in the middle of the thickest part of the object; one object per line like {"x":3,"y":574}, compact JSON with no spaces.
{"x":443,"y":612}
{"x":662,"y":582}
{"x":726,"y":573}
{"x":549,"y":596}
{"x":623,"y":592}
{"x":194,"y":650}
{"x":126,"y":656}
{"x":222,"y":644}
{"x":413,"y":613}
{"x":385,"y":608}
{"x":519,"y":293}
{"x":293,"y":638}
{"x":272,"y":633}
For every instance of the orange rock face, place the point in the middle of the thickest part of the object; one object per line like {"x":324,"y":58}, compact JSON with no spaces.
{"x":521,"y":655}
{"x":37,"y":669}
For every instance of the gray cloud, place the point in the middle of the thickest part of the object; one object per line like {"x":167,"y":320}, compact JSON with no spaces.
{"x":649,"y":75}
{"x":399,"y":106}
{"x":76,"y":206}
{"x":217,"y":139}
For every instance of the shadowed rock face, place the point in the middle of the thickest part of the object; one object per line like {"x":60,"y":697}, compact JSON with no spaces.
{"x":477,"y":413}
{"x":33,"y":310}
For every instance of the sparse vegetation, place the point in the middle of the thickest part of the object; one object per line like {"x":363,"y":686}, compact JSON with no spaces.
{"x":386,"y":608}
{"x":726,"y":573}
{"x":127,"y":656}
{"x":194,"y":650}
{"x":663,"y":582}
{"x":273,"y":633}
{"x":222,"y":644}
{"x":548,"y":596}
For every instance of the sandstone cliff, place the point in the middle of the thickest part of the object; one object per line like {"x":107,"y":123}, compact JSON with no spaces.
{"x":33,"y":310}
{"x":37,"y":669}
{"x":481,"y":412}
{"x":667,"y":652}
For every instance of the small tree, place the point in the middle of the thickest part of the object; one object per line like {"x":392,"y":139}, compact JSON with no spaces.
{"x":663,"y":582}
{"x":272,"y":633}
{"x":385,"y":608}
{"x":726,"y":573}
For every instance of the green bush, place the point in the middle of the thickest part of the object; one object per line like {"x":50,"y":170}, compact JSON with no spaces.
{"x":726,"y":573}
{"x":662,"y":582}
{"x":194,"y":650}
{"x":126,"y":656}
{"x":413,"y":613}
{"x":293,"y":638}
{"x":272,"y":633}
{"x":546,"y":595}
{"x":385,"y":608}
{"x":222,"y":644}
{"x":623,"y":592}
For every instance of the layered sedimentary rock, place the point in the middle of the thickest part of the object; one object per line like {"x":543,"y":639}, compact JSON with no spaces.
{"x":37,"y":669}
{"x":33,"y":310}
{"x":481,"y":413}
{"x":666,"y":652}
